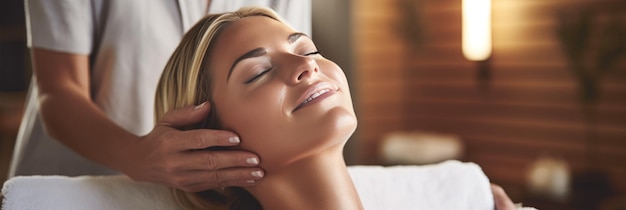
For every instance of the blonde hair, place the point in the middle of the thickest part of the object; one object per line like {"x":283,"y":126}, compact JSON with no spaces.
{"x":187,"y":81}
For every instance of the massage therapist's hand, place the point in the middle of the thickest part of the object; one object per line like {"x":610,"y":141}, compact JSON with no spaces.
{"x":175,"y":158}
{"x":501,"y":199}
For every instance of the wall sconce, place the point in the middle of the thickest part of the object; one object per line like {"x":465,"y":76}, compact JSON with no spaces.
{"x":476,"y":34}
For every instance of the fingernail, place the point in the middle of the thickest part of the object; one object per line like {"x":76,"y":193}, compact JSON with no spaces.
{"x":199,"y":106}
{"x":257,"y":174}
{"x":250,"y":181}
{"x":234,"y":140}
{"x":252,"y":161}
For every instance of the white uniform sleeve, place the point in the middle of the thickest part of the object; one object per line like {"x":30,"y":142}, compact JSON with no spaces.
{"x":60,"y":25}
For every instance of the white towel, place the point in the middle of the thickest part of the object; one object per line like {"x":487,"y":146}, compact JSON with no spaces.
{"x":450,"y":185}
{"x":84,"y":192}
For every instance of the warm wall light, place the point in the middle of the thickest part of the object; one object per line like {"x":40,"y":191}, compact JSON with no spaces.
{"x":476,"y":29}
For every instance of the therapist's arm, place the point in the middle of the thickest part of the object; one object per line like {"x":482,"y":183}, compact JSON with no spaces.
{"x":163,"y":156}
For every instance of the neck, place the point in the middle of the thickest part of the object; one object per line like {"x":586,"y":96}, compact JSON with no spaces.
{"x":320,"y":181}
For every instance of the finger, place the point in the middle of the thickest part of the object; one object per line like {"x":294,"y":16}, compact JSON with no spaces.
{"x":215,"y":160}
{"x":501,"y":199}
{"x":204,"y":138}
{"x":204,"y":180}
{"x":186,"y":116}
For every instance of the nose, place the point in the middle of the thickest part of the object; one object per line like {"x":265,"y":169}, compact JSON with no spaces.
{"x":305,"y":68}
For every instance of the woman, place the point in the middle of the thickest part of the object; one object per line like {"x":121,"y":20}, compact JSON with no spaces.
{"x":276,"y":87}
{"x":266,"y":82}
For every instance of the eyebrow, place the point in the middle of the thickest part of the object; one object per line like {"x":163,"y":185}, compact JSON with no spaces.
{"x":295,"y":36}
{"x":262,"y":51}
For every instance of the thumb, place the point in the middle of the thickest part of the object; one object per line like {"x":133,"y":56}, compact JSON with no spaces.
{"x":186,"y":116}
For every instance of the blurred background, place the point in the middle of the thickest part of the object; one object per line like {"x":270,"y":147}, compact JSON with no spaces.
{"x":14,"y":77}
{"x":543,"y":112}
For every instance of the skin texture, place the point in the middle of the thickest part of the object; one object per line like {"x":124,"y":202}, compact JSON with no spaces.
{"x":263,"y":110}
{"x":302,"y":149}
{"x":162,"y":156}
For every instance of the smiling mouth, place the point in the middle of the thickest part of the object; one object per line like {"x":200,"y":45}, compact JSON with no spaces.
{"x":318,"y":95}
{"x":315,"y":95}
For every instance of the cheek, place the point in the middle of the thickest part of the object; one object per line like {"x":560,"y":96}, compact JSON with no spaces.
{"x":235,"y":114}
{"x":253,"y":115}
{"x":333,"y":71}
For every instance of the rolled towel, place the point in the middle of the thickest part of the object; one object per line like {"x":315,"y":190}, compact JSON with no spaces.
{"x":84,"y":192}
{"x":449,"y":185}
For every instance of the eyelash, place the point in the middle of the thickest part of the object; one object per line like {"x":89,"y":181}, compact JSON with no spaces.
{"x":257,"y":76}
{"x":312,"y":53}
{"x":267,"y":70}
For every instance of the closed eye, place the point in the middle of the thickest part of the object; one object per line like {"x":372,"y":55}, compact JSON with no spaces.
{"x":312,"y":53}
{"x":257,"y":76}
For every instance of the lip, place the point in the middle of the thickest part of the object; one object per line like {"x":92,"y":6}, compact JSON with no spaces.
{"x":324,"y":89}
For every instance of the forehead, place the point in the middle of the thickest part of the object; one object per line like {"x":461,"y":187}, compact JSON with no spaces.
{"x":249,"y":33}
{"x":244,"y":25}
{"x":243,"y":35}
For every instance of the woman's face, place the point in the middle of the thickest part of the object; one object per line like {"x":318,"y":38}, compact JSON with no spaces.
{"x":285,"y":100}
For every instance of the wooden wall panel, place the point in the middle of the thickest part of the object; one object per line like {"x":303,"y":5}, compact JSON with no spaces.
{"x":530,"y":107}
{"x":379,"y":70}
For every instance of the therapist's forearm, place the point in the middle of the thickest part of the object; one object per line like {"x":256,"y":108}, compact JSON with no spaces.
{"x":83,"y":127}
{"x":70,"y":115}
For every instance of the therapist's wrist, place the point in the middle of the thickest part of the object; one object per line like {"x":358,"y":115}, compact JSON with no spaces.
{"x":125,"y":156}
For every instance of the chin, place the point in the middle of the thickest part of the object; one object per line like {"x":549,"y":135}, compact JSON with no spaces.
{"x":339,"y":126}
{"x":347,"y":127}
{"x":331,"y":134}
